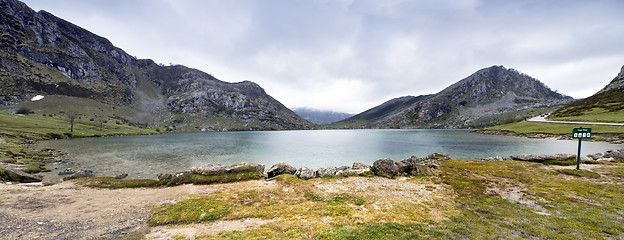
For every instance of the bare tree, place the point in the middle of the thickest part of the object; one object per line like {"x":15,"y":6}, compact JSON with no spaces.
{"x":72,"y":115}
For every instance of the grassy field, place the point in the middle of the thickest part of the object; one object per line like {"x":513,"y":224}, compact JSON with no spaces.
{"x":596,"y":115}
{"x":528,"y":128}
{"x":484,"y":200}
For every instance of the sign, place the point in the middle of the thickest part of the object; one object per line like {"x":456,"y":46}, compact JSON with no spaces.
{"x":581,"y":132}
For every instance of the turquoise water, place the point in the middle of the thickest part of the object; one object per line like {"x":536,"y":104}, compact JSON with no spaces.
{"x":146,"y":156}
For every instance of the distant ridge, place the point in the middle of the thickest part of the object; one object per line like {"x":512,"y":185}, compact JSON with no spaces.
{"x":489,"y":96}
{"x":320,"y":116}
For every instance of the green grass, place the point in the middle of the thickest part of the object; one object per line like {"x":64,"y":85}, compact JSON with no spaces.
{"x":579,"y":173}
{"x":527,"y":128}
{"x":554,"y":206}
{"x":112,"y":183}
{"x":596,"y":115}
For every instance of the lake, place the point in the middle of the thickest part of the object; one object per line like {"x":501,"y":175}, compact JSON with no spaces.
{"x":146,"y":156}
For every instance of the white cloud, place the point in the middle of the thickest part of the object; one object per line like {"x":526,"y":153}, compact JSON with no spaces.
{"x":351,"y":55}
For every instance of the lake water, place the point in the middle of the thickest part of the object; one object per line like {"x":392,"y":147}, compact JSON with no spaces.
{"x":146,"y":156}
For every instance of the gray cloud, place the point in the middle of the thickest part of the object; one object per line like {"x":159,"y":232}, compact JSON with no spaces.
{"x":352,"y":55}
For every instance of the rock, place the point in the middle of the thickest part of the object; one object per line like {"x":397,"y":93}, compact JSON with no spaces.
{"x":418,"y":167}
{"x":181,"y":177}
{"x":18,"y":176}
{"x":326,"y":172}
{"x":541,"y":158}
{"x":81,"y":174}
{"x":344,"y":170}
{"x":385,"y":168}
{"x":305,"y":173}
{"x":360,"y":166}
{"x":595,"y":156}
{"x":619,"y":154}
{"x":438,"y":156}
{"x":281,"y":168}
{"x":496,"y":158}
{"x":164,"y":177}
{"x":2,"y":141}
{"x":218,"y":169}
{"x":121,"y":176}
{"x":67,"y":171}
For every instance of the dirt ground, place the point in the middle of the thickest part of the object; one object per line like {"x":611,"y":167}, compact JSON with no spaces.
{"x":70,"y":211}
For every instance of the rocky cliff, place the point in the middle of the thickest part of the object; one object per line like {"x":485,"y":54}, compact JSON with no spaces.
{"x":489,"y":96}
{"x":43,"y":54}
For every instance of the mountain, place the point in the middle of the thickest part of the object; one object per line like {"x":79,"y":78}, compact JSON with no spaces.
{"x":607,"y":101}
{"x":321,"y":117}
{"x":41,"y":54}
{"x":489,"y":96}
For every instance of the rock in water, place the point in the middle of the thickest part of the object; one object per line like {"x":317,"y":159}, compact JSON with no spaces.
{"x":281,"y":168}
{"x":305,"y":173}
{"x":385,"y":168}
{"x":81,"y":174}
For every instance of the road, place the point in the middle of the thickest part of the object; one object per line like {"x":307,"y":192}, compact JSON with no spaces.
{"x":541,"y":119}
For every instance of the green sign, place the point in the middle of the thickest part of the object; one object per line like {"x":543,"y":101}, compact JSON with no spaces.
{"x":581,"y":132}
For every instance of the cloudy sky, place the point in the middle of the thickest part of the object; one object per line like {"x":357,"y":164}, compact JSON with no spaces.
{"x":351,"y":55}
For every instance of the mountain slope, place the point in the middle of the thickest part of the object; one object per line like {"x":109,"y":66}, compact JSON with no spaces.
{"x":486,"y":97}
{"x":321,"y":117}
{"x":606,"y":105}
{"x":43,"y":54}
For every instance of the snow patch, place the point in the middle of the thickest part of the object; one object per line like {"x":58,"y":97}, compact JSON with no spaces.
{"x":37,"y":98}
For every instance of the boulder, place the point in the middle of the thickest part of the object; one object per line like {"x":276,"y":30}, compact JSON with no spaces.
{"x":344,"y":170}
{"x":385,"y":168}
{"x":541,"y":158}
{"x":67,"y":171}
{"x":281,"y":168}
{"x":619,"y":154}
{"x":18,"y":176}
{"x":121,"y":176}
{"x":218,"y":169}
{"x":181,"y":177}
{"x":81,"y":174}
{"x":496,"y":158}
{"x":164,"y":177}
{"x":360,"y":166}
{"x":421,"y":166}
{"x":305,"y":173}
{"x":326,"y":172}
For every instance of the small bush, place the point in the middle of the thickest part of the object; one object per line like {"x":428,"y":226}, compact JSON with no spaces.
{"x":23,"y":110}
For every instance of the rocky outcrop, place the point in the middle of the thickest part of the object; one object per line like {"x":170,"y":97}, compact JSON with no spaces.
{"x":43,"y":54}
{"x":281,"y":168}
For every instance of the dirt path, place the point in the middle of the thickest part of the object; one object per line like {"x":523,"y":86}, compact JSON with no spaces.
{"x":68,"y":211}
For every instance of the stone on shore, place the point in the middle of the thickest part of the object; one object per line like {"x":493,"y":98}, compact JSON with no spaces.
{"x":80,"y":174}
{"x":121,"y":176}
{"x":281,"y":168}
{"x":218,"y":169}
{"x":421,"y":166}
{"x":67,"y":171}
{"x":385,"y":168}
{"x":305,"y":173}
{"x":326,"y":172}
{"x":18,"y":176}
{"x":542,"y":158}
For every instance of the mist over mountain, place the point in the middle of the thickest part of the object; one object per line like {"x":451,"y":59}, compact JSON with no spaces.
{"x":41,"y":54}
{"x":320,"y":116}
{"x":489,"y":96}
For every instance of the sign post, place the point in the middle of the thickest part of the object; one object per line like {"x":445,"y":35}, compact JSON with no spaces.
{"x":580,"y":133}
